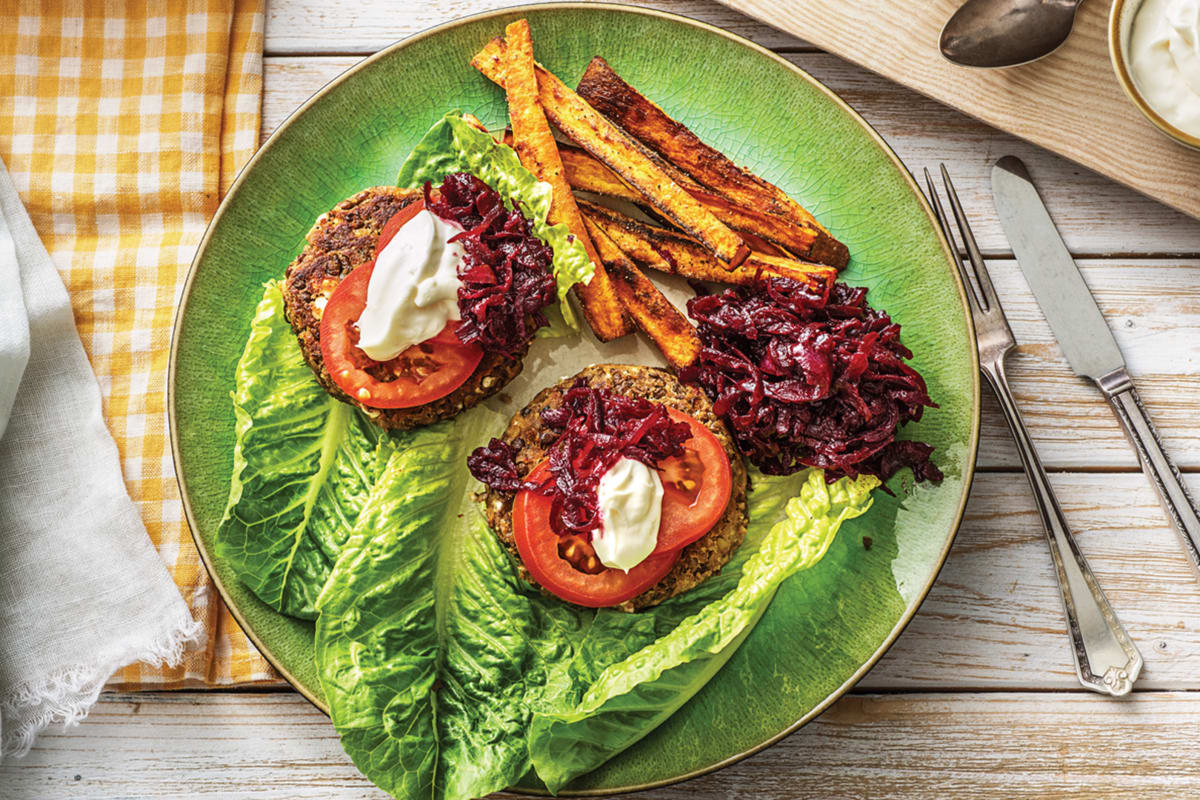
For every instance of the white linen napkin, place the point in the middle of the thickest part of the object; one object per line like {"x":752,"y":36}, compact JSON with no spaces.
{"x":82,"y":589}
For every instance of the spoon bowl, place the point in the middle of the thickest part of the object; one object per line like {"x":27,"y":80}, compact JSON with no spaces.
{"x":1006,"y":33}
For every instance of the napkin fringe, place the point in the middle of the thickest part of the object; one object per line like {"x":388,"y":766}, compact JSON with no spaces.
{"x":66,"y":696}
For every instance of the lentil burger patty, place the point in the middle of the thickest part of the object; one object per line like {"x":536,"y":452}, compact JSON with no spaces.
{"x":532,"y":439}
{"x":341,"y":240}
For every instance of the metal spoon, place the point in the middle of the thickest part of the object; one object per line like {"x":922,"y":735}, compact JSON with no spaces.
{"x":1005,"y":33}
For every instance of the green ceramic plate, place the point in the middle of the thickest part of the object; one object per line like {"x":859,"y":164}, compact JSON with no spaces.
{"x":826,"y":627}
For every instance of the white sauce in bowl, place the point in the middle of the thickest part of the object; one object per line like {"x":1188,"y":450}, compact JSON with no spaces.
{"x":1164,"y":59}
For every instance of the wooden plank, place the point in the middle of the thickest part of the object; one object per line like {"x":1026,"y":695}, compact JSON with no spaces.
{"x":1097,"y":216}
{"x":994,"y":617}
{"x":1002,"y":746}
{"x":1070,"y":102}
{"x":364,"y":26}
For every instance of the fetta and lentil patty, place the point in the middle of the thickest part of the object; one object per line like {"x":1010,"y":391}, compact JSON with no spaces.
{"x":341,"y":240}
{"x":532,"y":439}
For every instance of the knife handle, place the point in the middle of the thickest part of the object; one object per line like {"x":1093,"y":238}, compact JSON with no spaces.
{"x":1158,"y":466}
{"x":1106,"y":660}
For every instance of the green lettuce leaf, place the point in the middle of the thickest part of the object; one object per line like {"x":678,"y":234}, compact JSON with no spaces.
{"x":303,"y":464}
{"x":428,"y":647}
{"x":631,"y":698}
{"x":449,"y":677}
{"x":454,"y":145}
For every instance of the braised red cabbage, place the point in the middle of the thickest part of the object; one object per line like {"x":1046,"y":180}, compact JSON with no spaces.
{"x":811,"y":379}
{"x":595,"y":429}
{"x":506,"y":271}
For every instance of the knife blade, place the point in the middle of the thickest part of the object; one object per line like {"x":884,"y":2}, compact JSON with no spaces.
{"x":1052,"y":273}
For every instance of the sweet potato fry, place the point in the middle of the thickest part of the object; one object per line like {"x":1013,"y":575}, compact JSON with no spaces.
{"x":591,"y":131}
{"x":658,"y":248}
{"x":645,"y":121}
{"x":757,"y":244}
{"x":589,"y":175}
{"x":538,"y":151}
{"x":764,"y":266}
{"x":672,"y":252}
{"x":675,"y":337}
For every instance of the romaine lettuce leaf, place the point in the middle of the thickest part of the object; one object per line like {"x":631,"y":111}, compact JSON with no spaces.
{"x":631,"y":698}
{"x":448,"y":677}
{"x":303,"y":464}
{"x":428,"y":647}
{"x":453,"y":145}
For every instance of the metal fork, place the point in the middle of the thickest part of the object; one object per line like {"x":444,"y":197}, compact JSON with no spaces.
{"x":1106,"y":661}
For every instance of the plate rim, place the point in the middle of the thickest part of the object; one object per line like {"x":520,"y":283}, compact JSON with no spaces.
{"x":948,"y":252}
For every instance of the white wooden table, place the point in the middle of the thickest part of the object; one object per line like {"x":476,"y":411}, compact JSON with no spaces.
{"x":978,"y":698}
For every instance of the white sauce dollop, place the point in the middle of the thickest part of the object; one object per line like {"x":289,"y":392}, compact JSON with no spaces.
{"x":630,"y":497}
{"x":1164,"y":57}
{"x":413,"y":290}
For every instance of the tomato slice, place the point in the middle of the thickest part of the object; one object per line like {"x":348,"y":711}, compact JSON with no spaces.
{"x":696,"y":487}
{"x":539,"y":547}
{"x":421,"y":374}
{"x":696,"y":491}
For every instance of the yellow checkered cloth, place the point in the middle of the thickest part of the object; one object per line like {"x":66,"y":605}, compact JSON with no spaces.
{"x":122,"y":123}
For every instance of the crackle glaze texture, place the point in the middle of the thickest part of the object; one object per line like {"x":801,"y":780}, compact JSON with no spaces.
{"x":826,"y":625}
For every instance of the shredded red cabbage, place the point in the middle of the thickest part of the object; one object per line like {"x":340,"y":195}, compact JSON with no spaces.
{"x":596,"y":428}
{"x":506,"y":272}
{"x":806,"y":378}
{"x":495,"y":465}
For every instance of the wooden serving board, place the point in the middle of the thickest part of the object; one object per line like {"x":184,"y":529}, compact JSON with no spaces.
{"x":1069,"y":102}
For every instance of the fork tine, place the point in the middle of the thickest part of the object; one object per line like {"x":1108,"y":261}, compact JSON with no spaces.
{"x":936,"y":202}
{"x":940,"y":213}
{"x":983,"y":280}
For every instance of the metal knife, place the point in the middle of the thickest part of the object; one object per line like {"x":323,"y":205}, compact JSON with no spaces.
{"x":1084,"y":336}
